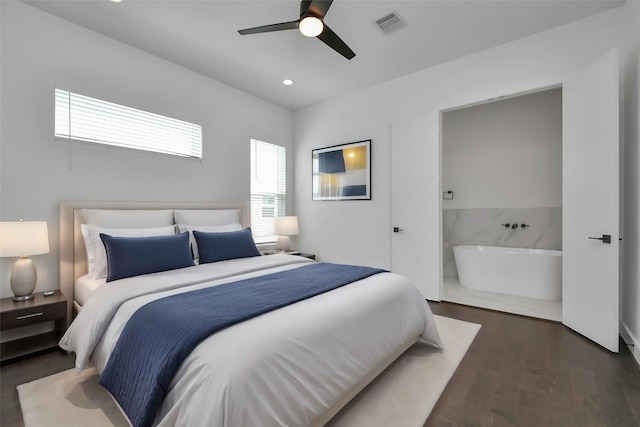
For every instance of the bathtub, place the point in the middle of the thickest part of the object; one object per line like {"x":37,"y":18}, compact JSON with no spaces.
{"x":531,"y":273}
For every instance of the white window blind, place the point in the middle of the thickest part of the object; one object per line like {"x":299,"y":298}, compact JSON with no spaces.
{"x":268,"y":188}
{"x":80,"y":117}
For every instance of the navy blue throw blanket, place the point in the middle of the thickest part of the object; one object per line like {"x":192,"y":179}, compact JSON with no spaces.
{"x":162,"y":333}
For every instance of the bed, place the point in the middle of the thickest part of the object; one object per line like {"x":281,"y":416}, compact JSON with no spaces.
{"x":294,"y":366}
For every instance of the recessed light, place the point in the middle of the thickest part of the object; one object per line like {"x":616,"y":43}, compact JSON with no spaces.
{"x":116,"y":1}
{"x":287,"y":82}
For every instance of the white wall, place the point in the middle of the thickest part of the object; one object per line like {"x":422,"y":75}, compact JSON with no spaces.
{"x":360,"y":232}
{"x":504,"y":154}
{"x":40,"y":51}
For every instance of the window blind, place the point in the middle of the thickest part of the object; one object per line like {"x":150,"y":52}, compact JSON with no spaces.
{"x":82,"y":118}
{"x":268,"y":188}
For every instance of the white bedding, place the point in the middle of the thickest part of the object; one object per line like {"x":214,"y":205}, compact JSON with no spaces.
{"x":286,"y":367}
{"x":85,"y":286}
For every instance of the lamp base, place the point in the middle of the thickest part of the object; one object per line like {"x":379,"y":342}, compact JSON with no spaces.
{"x":23,"y":279}
{"x":283,"y":244}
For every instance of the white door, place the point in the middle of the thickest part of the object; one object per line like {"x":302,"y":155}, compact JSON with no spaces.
{"x":590,"y":193}
{"x":415,"y":201}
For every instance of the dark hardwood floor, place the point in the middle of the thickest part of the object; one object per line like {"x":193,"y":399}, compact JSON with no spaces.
{"x":524,"y":372}
{"x":519,"y":372}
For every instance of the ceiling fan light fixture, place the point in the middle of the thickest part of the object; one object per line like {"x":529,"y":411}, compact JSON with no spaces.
{"x":311,"y":26}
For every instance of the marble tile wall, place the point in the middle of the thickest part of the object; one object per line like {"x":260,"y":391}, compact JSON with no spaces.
{"x":483,"y":227}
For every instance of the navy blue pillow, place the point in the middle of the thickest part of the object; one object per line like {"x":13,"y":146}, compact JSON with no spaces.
{"x":228,"y":245}
{"x":133,"y":256}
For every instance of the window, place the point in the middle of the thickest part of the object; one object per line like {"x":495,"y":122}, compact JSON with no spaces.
{"x":268,"y":188}
{"x":82,"y":118}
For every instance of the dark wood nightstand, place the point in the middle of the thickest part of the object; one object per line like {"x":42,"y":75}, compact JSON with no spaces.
{"x":297,"y":253}
{"x":37,"y":310}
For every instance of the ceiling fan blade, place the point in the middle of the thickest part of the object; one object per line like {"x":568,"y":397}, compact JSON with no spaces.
{"x":332,"y":40}
{"x":317,"y":8}
{"x":291,"y":25}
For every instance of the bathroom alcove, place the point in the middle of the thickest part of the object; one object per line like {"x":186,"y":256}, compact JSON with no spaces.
{"x":502,"y":161}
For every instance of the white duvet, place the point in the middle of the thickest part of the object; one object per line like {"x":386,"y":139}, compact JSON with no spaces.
{"x":283,"y":368}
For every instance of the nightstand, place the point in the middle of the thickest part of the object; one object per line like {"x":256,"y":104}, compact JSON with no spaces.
{"x":297,"y":253}
{"x":37,"y":310}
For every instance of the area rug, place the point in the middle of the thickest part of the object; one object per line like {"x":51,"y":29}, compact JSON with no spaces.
{"x":404,"y":394}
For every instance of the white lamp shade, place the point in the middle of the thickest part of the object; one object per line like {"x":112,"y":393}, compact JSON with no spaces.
{"x":286,"y":225}
{"x":23,"y":238}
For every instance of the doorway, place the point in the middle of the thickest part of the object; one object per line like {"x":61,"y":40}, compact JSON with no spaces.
{"x":501,"y":175}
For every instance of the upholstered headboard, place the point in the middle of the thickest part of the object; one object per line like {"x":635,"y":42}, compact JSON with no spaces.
{"x":73,"y":256}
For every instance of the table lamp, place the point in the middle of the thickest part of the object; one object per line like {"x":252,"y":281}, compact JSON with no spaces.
{"x":285,"y":226}
{"x":21,"y":239}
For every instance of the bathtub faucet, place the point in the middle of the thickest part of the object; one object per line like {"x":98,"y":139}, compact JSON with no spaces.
{"x":514,"y":226}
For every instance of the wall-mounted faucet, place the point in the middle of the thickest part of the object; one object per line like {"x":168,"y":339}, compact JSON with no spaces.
{"x":514,"y":226}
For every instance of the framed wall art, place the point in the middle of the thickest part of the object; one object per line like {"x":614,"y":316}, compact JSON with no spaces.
{"x":342,"y":172}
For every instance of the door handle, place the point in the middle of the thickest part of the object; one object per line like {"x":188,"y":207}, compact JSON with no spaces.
{"x":397,"y":229}
{"x":606,"y":238}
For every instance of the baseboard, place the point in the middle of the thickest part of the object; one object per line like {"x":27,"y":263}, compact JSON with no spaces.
{"x":632,"y":342}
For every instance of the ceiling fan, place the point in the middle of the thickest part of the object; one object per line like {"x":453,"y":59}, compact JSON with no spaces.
{"x":311,"y":24}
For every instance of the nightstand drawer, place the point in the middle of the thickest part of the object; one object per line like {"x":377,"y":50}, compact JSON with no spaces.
{"x":32,"y":315}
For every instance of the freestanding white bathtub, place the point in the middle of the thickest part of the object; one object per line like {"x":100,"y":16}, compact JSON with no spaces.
{"x":531,"y":273}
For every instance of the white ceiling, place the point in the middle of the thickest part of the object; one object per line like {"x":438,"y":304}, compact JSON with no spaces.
{"x":202,"y":36}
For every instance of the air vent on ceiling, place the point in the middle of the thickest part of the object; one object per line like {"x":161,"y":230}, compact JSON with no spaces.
{"x":390,"y":23}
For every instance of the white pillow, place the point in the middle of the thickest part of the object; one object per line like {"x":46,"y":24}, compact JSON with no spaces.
{"x":207,"y":229}
{"x":206,"y":217}
{"x":96,"y":254}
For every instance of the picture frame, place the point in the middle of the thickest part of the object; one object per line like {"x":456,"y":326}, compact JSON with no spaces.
{"x":342,"y":172}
